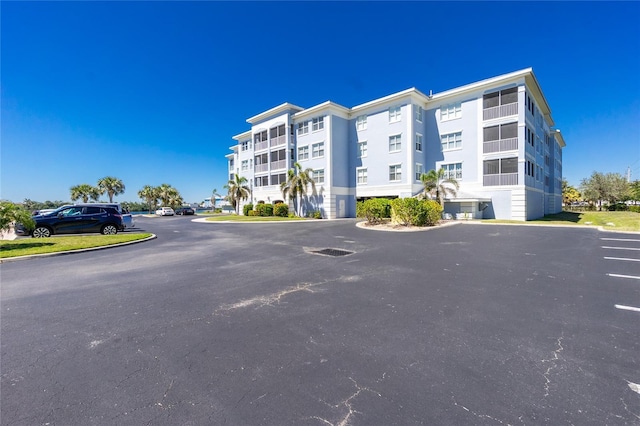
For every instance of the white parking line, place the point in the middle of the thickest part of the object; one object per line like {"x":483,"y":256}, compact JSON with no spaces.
{"x":622,"y":258}
{"x":620,"y":239}
{"x":627,"y":308}
{"x":621,"y":248}
{"x":624,"y":276}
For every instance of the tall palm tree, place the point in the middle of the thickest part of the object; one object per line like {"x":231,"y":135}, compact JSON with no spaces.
{"x":150,"y":195}
{"x":174,"y":199}
{"x":165,"y":192}
{"x":111,"y":185}
{"x":295,"y":187}
{"x":439,"y":184}
{"x":84,"y":191}
{"x":214,"y":195}
{"x":237,"y":191}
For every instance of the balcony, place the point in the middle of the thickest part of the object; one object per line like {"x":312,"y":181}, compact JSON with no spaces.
{"x":280,"y":164}
{"x":500,"y":111}
{"x":500,"y":145}
{"x":261,"y":145}
{"x":278,"y":140}
{"x":501,"y":179}
{"x":261,"y":168}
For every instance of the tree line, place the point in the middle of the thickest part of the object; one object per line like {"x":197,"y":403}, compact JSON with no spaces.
{"x":599,"y":188}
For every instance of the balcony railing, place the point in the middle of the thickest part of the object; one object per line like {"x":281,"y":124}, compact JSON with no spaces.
{"x":500,"y":145}
{"x":500,"y":111}
{"x":278,"y":140}
{"x":502,"y":179}
{"x":261,"y":167}
{"x":261,"y":145}
{"x":280,"y":164}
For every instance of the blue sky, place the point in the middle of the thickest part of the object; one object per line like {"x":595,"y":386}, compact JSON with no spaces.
{"x":152,"y":92}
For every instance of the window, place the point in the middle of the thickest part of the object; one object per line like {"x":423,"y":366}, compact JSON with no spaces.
{"x":361,"y":175}
{"x":318,"y":176}
{"x":502,"y":97}
{"x":395,"y":172}
{"x":244,"y":146}
{"x":451,"y":141}
{"x":245,"y":165}
{"x":303,"y":128}
{"x":317,"y":124}
{"x":395,"y":143}
{"x":419,"y":171}
{"x":303,"y":153}
{"x":419,"y":112}
{"x":262,"y":181}
{"x":260,"y":137}
{"x":418,"y":142}
{"x":503,"y":137}
{"x":449,"y":112}
{"x":277,"y":131}
{"x":452,"y":171}
{"x":395,"y":114}
{"x":362,"y":149}
{"x":501,"y":166}
{"x":317,"y":150}
{"x":278,"y":179}
{"x":361,"y":122}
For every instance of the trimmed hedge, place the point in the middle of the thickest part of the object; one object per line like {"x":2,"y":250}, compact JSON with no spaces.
{"x":414,"y":212}
{"x":374,"y":210}
{"x":281,"y":209}
{"x":246,"y":208}
{"x":264,"y":209}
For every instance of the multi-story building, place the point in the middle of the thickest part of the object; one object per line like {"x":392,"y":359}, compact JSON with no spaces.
{"x":496,"y":137}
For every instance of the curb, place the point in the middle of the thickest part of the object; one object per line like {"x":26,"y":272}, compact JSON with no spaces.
{"x":62,"y":253}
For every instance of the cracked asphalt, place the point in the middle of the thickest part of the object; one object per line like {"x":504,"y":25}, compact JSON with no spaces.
{"x":239,"y":324}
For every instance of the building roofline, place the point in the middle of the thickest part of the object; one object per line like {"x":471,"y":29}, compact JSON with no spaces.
{"x":391,"y":98}
{"x":273,"y":111}
{"x":559,"y":137}
{"x":243,"y":135}
{"x":320,"y":107}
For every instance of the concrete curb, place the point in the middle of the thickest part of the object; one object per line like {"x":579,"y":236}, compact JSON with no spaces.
{"x":553,"y":225}
{"x":204,"y":220}
{"x":61,"y":253}
{"x":385,"y":228}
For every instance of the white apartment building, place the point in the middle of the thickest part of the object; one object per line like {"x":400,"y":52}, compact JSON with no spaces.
{"x":496,"y":137}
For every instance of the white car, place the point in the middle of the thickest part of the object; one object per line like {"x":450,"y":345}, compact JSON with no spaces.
{"x":165,"y":211}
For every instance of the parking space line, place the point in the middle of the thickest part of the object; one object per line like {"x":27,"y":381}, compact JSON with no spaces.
{"x":620,"y":239}
{"x":624,"y":276}
{"x":621,"y":248}
{"x":622,"y":258}
{"x":627,"y":308}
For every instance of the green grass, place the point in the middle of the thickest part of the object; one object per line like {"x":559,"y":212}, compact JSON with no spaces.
{"x":31,"y":246}
{"x":236,"y":218}
{"x":621,"y":221}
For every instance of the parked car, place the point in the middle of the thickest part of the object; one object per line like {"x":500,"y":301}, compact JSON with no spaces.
{"x":127,"y":218}
{"x":165,"y":211}
{"x":185,"y":211}
{"x":75,"y":219}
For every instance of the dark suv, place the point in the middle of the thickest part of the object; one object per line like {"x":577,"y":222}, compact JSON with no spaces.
{"x":74,"y":220}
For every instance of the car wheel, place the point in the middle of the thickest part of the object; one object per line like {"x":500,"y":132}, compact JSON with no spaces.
{"x":109,"y":230}
{"x":41,"y":232}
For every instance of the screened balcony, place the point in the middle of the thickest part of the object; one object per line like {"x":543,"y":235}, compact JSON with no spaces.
{"x":503,"y":103}
{"x":503,"y":137}
{"x":501,"y":171}
{"x":277,"y":136}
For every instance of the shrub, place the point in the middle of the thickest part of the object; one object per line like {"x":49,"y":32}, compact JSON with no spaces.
{"x":374,"y":210}
{"x":411,"y":211}
{"x":292,"y":215}
{"x":252,"y":213}
{"x":618,"y":207}
{"x":246,"y":209}
{"x":317,"y":215}
{"x":281,"y":210}
{"x":635,"y":209}
{"x":264,"y":209}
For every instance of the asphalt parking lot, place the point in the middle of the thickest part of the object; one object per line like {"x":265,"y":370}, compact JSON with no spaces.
{"x":251,"y":324}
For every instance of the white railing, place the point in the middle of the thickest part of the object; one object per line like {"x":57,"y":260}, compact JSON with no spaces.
{"x":278,"y":140}
{"x":498,"y":180}
{"x":500,"y":111}
{"x":500,"y":145}
{"x":262,"y":167}
{"x":261,"y":145}
{"x":280,"y":164}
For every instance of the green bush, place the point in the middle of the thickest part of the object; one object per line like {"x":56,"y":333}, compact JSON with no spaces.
{"x":635,"y":209}
{"x":411,"y":211}
{"x":618,"y":207}
{"x":252,"y":213}
{"x":264,"y":209}
{"x":374,"y":210}
{"x":317,"y":215}
{"x":281,"y":210}
{"x":246,"y":208}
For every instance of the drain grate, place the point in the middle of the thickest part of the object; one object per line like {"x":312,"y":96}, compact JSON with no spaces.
{"x":332,"y":252}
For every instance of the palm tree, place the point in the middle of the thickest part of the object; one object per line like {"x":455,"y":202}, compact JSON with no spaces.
{"x":150,"y":195}
{"x":214,"y":194}
{"x":111,"y":185}
{"x":439,"y":184}
{"x":174,"y":199}
{"x":295,"y":187}
{"x":84,"y":191}
{"x":165,"y":193}
{"x":237,"y":191}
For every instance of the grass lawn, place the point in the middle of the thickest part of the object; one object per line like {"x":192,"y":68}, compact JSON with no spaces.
{"x":31,"y":246}
{"x":236,"y":218}
{"x":621,"y":221}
